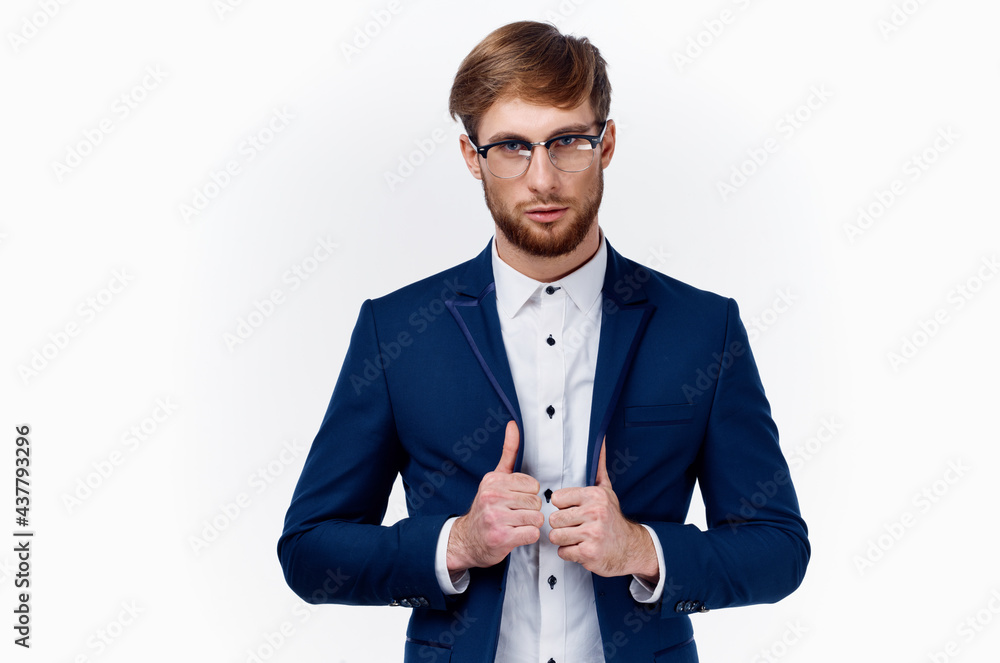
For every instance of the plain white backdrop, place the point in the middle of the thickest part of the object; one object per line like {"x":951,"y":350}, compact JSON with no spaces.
{"x":170,"y":168}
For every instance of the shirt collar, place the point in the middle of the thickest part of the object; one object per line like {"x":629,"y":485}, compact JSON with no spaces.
{"x":582,"y":286}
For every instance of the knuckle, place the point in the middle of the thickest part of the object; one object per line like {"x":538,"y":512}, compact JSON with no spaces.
{"x":491,"y":519}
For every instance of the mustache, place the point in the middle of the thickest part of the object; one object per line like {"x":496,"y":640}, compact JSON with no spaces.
{"x":542,"y":202}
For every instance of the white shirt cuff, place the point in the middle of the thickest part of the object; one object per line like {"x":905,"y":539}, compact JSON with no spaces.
{"x":641,"y":590}
{"x":441,"y":563}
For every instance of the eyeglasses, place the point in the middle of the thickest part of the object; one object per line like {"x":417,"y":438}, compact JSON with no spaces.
{"x":571,"y":153}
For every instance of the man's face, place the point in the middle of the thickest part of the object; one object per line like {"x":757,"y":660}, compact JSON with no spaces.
{"x":544,"y":212}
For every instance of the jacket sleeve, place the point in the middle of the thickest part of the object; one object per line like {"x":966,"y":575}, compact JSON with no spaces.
{"x":755,"y":549}
{"x":333,"y":548}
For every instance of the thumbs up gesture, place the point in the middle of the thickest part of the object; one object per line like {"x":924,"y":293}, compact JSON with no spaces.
{"x":591,"y":530}
{"x":506,"y":513}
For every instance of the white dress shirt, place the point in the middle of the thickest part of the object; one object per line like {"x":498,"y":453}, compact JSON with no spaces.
{"x":551,"y":333}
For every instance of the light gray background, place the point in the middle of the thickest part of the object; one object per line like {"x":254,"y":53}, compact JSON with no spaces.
{"x":353,"y":117}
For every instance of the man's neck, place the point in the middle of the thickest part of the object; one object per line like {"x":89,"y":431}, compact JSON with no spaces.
{"x":547,"y":270}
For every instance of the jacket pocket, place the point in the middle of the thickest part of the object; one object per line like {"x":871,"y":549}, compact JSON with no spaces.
{"x":686,"y":652}
{"x":658,"y":415}
{"x":419,"y":651}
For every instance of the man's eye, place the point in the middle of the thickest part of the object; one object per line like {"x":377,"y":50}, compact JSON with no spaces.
{"x":512,"y":146}
{"x":565,"y":142}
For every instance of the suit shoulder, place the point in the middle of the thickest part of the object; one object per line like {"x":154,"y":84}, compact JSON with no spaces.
{"x":431,"y":290}
{"x":681,"y":306}
{"x":666,"y":289}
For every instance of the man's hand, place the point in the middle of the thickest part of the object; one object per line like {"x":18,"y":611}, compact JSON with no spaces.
{"x":506,"y":513}
{"x":591,"y":530}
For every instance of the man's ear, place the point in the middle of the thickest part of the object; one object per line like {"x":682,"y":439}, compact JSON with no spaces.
{"x":470,"y":155}
{"x":608,"y":146}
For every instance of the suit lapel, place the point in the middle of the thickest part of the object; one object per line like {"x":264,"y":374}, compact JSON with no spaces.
{"x":624,"y":317}
{"x":475,"y":310}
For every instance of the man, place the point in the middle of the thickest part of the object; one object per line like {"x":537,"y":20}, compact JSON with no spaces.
{"x":550,"y":420}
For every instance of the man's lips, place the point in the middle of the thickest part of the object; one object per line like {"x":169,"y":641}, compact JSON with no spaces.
{"x":546,"y":214}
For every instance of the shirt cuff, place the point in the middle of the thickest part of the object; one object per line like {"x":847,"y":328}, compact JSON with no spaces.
{"x":641,"y":590}
{"x":441,"y":563}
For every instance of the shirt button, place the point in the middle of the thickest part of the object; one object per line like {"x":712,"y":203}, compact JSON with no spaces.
{"x":548,"y":494}
{"x":550,"y":340}
{"x":552,"y":660}
{"x":549,"y":290}
{"x":552,"y":582}
{"x":550,"y":411}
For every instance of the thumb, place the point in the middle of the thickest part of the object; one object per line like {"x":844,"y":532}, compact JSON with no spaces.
{"x":511,"y":441}
{"x":602,"y":468}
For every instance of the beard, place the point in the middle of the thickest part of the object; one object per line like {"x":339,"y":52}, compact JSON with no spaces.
{"x":547,"y":240}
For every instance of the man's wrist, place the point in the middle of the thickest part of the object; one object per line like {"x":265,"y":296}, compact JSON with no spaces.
{"x":450,"y":582}
{"x":457,"y":561}
{"x":644,"y":562}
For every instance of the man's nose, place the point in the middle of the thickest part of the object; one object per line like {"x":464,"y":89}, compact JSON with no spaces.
{"x":541,"y":174}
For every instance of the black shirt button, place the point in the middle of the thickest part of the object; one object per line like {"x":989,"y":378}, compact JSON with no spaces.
{"x":548,"y":494}
{"x":549,"y":290}
{"x":550,"y":411}
{"x":552,"y":582}
{"x":550,"y":340}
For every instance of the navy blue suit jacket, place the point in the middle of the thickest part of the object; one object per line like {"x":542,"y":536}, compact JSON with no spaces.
{"x":426,"y":391}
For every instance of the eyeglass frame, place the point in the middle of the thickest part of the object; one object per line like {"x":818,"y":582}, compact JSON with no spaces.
{"x":594,"y":142}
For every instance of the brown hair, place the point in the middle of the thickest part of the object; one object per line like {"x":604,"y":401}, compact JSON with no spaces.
{"x":531,"y":61}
